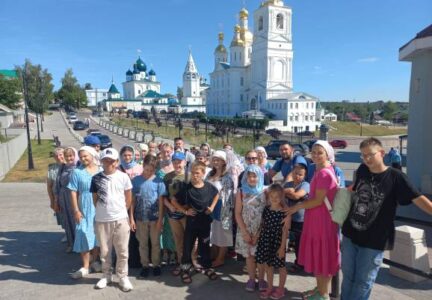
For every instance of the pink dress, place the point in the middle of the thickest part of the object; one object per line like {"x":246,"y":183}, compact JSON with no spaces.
{"x":319,"y":244}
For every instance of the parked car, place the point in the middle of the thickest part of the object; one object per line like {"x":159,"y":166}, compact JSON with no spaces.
{"x":105,"y":141}
{"x":72,"y":119}
{"x":301,"y":149}
{"x":309,"y":143}
{"x":339,"y":144}
{"x":272,"y":148}
{"x":92,"y":131}
{"x":70,"y":114}
{"x":79,"y":125}
{"x":305,"y":133}
{"x":274,"y":132}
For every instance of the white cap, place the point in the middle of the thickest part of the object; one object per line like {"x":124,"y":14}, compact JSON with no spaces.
{"x":109,"y":153}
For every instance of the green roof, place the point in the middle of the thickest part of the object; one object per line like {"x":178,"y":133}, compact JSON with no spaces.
{"x":9,"y":73}
{"x":113,"y":89}
{"x":151,"y":94}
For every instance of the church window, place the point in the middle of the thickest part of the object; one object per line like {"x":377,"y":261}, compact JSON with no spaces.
{"x":312,"y":105}
{"x":240,"y":56}
{"x":260,"y":23}
{"x":285,"y":106}
{"x":241,"y":97}
{"x":139,"y":92}
{"x":307,"y":105}
{"x":291,"y":105}
{"x":241,"y":81}
{"x":193,"y":76}
{"x":306,"y":118}
{"x":279,"y":21}
{"x":296,"y":105}
{"x":291,"y":118}
{"x":296,"y":118}
{"x":235,"y":56}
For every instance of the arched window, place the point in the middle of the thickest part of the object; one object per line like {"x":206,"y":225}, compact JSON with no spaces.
{"x":279,"y":21}
{"x":253,"y":105}
{"x":260,"y":23}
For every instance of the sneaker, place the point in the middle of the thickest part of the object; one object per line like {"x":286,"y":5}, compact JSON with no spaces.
{"x":144,"y":273}
{"x":262,"y":285}
{"x":157,"y":271}
{"x":83,"y":272}
{"x":250,"y":285}
{"x":278,"y":293}
{"x":125,"y":284}
{"x":96,"y":266}
{"x":266,"y":293}
{"x":102,"y":283}
{"x":64,"y":239}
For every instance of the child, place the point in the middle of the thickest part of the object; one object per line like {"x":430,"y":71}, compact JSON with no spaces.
{"x":272,"y":241}
{"x":146,"y":214}
{"x":297,"y":191}
{"x":250,"y":202}
{"x":112,"y":197}
{"x":201,"y":198}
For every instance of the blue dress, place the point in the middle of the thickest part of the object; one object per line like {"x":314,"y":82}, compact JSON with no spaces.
{"x":85,"y":238}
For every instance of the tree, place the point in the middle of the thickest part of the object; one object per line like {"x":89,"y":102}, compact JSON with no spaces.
{"x":71,"y":92}
{"x":389,"y":109}
{"x":10,"y":90}
{"x":179,"y":93}
{"x":88,"y":86}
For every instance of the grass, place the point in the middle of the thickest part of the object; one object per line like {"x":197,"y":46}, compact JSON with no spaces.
{"x":41,"y":160}
{"x":353,"y":129}
{"x":241,"y":144}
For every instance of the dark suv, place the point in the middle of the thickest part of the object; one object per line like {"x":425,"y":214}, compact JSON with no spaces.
{"x":272,"y":148}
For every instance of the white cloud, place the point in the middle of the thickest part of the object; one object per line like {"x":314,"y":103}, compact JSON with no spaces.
{"x":371,"y":59}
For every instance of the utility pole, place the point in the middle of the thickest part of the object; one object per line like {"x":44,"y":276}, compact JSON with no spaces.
{"x":25,"y":93}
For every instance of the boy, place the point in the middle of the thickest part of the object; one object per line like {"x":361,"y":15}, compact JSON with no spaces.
{"x":369,"y":228}
{"x":111,"y":190}
{"x":296,"y":191}
{"x":146,"y":214}
{"x":200,"y":200}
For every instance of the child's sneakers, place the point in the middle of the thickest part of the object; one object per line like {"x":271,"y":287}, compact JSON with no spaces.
{"x":266,"y":293}
{"x":83,"y":272}
{"x":262,"y":285}
{"x":278,"y":293}
{"x":250,"y":285}
{"x":103,"y":282}
{"x":125,"y":284}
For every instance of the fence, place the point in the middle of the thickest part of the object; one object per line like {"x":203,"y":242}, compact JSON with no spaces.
{"x":11,"y":151}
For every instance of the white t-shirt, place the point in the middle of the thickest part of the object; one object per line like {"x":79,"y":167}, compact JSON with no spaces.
{"x":111,"y":203}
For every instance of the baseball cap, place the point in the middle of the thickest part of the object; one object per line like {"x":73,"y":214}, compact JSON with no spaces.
{"x":92,"y":140}
{"x":109,"y":153}
{"x":178,"y":156}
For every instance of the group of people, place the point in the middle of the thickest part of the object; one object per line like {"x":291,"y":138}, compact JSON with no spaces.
{"x":155,"y":203}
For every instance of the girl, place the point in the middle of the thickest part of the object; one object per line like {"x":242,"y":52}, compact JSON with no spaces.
{"x":272,"y":240}
{"x":165,"y":164}
{"x":262,"y":159}
{"x":51,"y":184}
{"x":221,"y":228}
{"x":250,"y":202}
{"x":128,"y":163}
{"x":63,"y":195}
{"x":319,"y":243}
{"x":207,"y":149}
{"x":83,"y":209}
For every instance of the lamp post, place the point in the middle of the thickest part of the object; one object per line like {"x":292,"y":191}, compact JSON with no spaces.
{"x":206,"y":128}
{"x":24,"y":75}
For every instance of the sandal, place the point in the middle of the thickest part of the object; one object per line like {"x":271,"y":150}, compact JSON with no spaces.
{"x":309,"y":293}
{"x":186,"y":277}
{"x":210,"y":273}
{"x":176,"y":271}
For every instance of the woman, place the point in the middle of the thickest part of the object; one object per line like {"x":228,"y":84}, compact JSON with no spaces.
{"x":206,"y":148}
{"x":63,"y":195}
{"x":143,"y":151}
{"x":319,"y":244}
{"x":51,"y":179}
{"x":128,"y":163}
{"x":165,"y":164}
{"x":263,"y":163}
{"x":221,"y":236}
{"x":83,"y":209}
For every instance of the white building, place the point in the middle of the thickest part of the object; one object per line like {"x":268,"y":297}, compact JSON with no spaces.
{"x":194,"y":88}
{"x":139,"y":81}
{"x":256,"y":72}
{"x":94,"y":96}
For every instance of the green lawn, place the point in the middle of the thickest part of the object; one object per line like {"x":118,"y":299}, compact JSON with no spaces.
{"x":354,"y":129}
{"x":241,"y":144}
{"x":41,"y":159}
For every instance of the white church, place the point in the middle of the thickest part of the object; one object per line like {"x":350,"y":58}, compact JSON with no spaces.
{"x":254,"y":78}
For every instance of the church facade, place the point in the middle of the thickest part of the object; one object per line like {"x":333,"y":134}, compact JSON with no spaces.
{"x":255,"y":75}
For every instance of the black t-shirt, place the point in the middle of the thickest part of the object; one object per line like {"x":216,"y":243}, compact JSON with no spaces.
{"x":370,"y":222}
{"x":198,"y":198}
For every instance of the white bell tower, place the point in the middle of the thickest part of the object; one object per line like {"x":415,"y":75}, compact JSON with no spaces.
{"x":272,"y":53}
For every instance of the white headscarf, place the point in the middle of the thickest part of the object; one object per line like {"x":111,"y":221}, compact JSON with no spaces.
{"x":262,"y":149}
{"x":92,"y":151}
{"x":328,"y":148}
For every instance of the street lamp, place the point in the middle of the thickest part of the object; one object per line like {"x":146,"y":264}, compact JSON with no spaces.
{"x":206,"y":128}
{"x":24,"y":75}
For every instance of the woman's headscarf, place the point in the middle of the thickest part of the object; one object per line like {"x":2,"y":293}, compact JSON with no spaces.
{"x":92,"y":151}
{"x":246,"y":188}
{"x":76,"y":159}
{"x":133,"y":162}
{"x":328,"y":148}
{"x":261,"y":149}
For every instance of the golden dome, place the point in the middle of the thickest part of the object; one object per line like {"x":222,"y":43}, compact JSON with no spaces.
{"x":237,"y":43}
{"x":220,"y":36}
{"x":246,"y":35}
{"x":244,"y":13}
{"x":221,"y":48}
{"x":237,"y":28}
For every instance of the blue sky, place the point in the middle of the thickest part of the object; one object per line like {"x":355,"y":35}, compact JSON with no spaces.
{"x":343,"y":49}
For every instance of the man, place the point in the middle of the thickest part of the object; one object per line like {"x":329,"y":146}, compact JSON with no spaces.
{"x":285,"y":163}
{"x":179,"y":146}
{"x":369,"y":228}
{"x":94,"y":142}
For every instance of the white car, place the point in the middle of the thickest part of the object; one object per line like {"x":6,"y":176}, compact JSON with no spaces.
{"x":72,"y":119}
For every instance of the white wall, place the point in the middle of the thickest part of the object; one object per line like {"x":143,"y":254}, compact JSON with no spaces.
{"x":12,"y":151}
